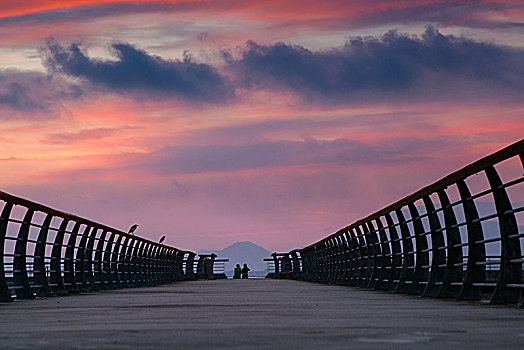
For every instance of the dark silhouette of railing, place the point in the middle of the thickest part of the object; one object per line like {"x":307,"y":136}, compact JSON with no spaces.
{"x":46,"y":252}
{"x":442,"y":241}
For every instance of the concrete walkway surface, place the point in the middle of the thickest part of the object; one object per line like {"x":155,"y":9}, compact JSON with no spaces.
{"x":255,"y":314}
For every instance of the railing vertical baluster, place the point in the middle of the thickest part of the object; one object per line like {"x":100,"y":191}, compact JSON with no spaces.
{"x":88,"y":266}
{"x":146,"y":259}
{"x":122,"y":266}
{"x":135,"y":263}
{"x":80,"y":263}
{"x":396,"y":252}
{"x":368,"y":254}
{"x":20,"y":277}
{"x":385,"y":257}
{"x":155,"y":273}
{"x":5,"y":294}
{"x":296,"y":265}
{"x":108,"y":252}
{"x":138,"y":263}
{"x":115,"y":258}
{"x":69,"y":263}
{"x":190,"y":262}
{"x":453,"y":277}
{"x":476,"y":252}
{"x":39,"y":268}
{"x":275,"y":260}
{"x":100,"y":276}
{"x":361,"y":255}
{"x":347,"y":253}
{"x":438,"y":261}
{"x":510,"y":269}
{"x":422,"y":255}
{"x":353,"y":259}
{"x":375,"y":253}
{"x":408,"y":258}
{"x":129,"y":281}
{"x":56,"y":279}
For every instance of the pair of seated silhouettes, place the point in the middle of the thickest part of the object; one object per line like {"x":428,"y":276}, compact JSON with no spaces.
{"x":240,"y":271}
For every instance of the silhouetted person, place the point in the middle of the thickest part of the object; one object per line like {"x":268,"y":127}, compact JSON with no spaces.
{"x":237,"y":272}
{"x":245,"y":271}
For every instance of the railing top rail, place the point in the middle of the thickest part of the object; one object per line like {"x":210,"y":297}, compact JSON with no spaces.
{"x":207,"y":255}
{"x":515,"y":149}
{"x":280,"y":254}
{"x":6,"y":197}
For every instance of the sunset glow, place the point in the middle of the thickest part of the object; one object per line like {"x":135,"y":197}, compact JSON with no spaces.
{"x":213,"y":122}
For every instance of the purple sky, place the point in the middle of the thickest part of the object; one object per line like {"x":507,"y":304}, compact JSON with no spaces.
{"x":276,"y":122}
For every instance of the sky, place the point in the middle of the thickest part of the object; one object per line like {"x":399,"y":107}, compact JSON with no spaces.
{"x":276,"y":122}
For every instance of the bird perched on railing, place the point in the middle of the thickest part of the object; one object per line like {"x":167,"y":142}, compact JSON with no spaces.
{"x":162,"y":239}
{"x":132,"y":229}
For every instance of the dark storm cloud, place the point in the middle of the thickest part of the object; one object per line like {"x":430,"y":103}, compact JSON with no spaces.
{"x":33,"y":95}
{"x":395,"y":65}
{"x":139,"y":73}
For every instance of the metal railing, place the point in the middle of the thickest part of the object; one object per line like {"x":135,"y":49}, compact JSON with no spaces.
{"x":461,"y":237}
{"x":46,"y":252}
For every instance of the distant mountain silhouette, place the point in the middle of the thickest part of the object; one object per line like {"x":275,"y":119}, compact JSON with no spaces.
{"x":242,"y":253}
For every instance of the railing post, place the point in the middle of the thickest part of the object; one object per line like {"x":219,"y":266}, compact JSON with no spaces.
{"x":69,"y":263}
{"x":159,"y":264}
{"x":88,"y":263}
{"x":352,"y":259}
{"x":129,"y":276}
{"x":39,"y":271}
{"x":368,"y":269}
{"x":180,"y":265}
{"x":5,"y":294}
{"x":150,"y":281}
{"x":421,"y":272}
{"x":139,"y":264}
{"x":476,"y":252}
{"x":510,"y":260}
{"x":438,"y":261}
{"x":296,"y":265}
{"x":346,"y":258}
{"x":211,"y":266}
{"x":375,"y":254}
{"x":133,"y":265}
{"x":340,"y":268}
{"x":56,"y":279}
{"x":108,"y":252}
{"x":408,"y":258}
{"x":80,"y":272}
{"x":277,"y":268}
{"x":100,"y":275}
{"x":361,"y":257}
{"x":20,"y":277}
{"x":385,"y":258}
{"x":190,"y":274}
{"x":166,"y":261}
{"x":115,"y":258}
{"x":396,"y":254}
{"x":453,"y":276}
